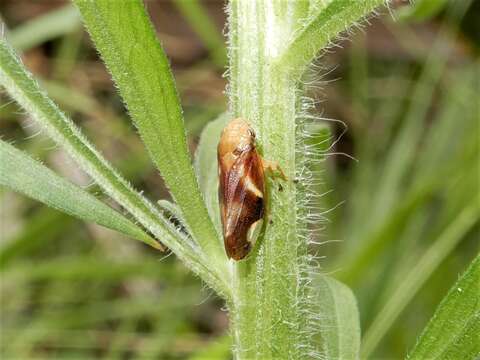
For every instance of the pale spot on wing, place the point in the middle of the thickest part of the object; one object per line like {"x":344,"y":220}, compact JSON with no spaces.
{"x":252,"y":187}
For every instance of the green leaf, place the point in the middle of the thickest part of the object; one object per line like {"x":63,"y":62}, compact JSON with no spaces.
{"x":339,"y":319}
{"x":206,"y":165}
{"x":21,"y":86}
{"x":453,"y":331}
{"x":21,"y":173}
{"x":127,"y":42}
{"x":332,"y":19}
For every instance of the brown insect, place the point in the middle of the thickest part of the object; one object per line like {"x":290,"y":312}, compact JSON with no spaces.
{"x":241,"y":186}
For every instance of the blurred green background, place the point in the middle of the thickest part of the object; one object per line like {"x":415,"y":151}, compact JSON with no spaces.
{"x":392,"y":227}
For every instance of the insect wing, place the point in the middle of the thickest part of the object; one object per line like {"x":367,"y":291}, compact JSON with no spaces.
{"x":241,"y":197}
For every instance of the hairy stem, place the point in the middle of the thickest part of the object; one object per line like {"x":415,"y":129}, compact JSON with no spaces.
{"x":267,"y":295}
{"x":272,"y":42}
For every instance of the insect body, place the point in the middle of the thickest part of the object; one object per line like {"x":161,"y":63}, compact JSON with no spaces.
{"x":241,"y":186}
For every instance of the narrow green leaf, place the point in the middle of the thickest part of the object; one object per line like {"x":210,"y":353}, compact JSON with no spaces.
{"x":206,"y":165}
{"x":25,"y":90}
{"x":205,"y":28}
{"x":419,"y":274}
{"x":126,"y":40}
{"x":21,"y":86}
{"x":21,"y":173}
{"x":453,"y":332}
{"x":334,"y":18}
{"x":339,"y":320}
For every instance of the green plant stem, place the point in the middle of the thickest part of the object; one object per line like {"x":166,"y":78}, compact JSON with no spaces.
{"x":271,"y":44}
{"x":267,"y":318}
